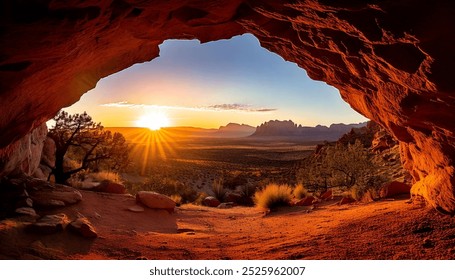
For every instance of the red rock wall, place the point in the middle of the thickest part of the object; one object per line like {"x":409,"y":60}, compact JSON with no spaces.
{"x":391,"y":60}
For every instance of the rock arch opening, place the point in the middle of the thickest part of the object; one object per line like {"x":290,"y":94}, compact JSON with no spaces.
{"x":391,"y":61}
{"x":210,"y":85}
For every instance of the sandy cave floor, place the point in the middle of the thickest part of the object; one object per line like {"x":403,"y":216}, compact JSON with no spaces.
{"x":389,"y":229}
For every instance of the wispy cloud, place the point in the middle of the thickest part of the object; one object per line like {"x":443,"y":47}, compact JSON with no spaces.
{"x":237,"y":107}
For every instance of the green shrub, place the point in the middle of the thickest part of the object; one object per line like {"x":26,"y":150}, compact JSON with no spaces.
{"x":272,"y":196}
{"x":300,"y":191}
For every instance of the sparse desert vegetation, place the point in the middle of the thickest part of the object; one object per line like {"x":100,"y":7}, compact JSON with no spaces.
{"x":273,"y":196}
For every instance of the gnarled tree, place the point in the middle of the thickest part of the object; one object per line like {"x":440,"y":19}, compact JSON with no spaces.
{"x":86,"y":142}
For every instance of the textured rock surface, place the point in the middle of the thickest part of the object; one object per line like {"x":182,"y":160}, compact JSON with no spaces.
{"x":393,"y":189}
{"x":391,"y":60}
{"x":83,"y":227}
{"x":107,"y":186}
{"x":45,"y":194}
{"x":211,"y":201}
{"x":155,"y":200}
{"x":23,"y":155}
{"x":49,"y":224}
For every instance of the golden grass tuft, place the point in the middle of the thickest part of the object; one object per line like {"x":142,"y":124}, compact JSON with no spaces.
{"x":272,"y":196}
{"x":105,"y":175}
{"x":300,"y":191}
{"x":177,"y":199}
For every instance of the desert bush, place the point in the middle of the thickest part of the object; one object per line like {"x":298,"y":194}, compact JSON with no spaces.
{"x":177,"y":199}
{"x":234,"y":179}
{"x":299,"y":191}
{"x":200,"y":197}
{"x":218,"y":189}
{"x":357,"y":192}
{"x":105,"y":175}
{"x":273,"y":196}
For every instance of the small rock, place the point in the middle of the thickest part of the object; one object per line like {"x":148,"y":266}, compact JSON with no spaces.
{"x":26,"y":211}
{"x":155,"y":200}
{"x":211,"y":201}
{"x":49,"y":224}
{"x":107,"y":186}
{"x":45,"y":194}
{"x":307,"y":201}
{"x":428,"y":243}
{"x":394,"y":189}
{"x":226,"y":205}
{"x":136,"y":209}
{"x":327,"y":195}
{"x":346,"y":200}
{"x":233,"y":197}
{"x":83,"y":227}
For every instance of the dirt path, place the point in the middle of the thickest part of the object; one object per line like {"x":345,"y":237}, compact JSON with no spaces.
{"x":378,"y":230}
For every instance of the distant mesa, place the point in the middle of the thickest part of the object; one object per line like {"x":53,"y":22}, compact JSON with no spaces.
{"x":270,"y":130}
{"x":235,"y":130}
{"x":276,"y":128}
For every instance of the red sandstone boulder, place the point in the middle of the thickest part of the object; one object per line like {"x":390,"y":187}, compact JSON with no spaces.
{"x":107,"y":186}
{"x":346,"y":200}
{"x":233,"y":197}
{"x":393,"y":189}
{"x":155,"y":200}
{"x":307,"y":201}
{"x":83,"y":227}
{"x":49,"y":224}
{"x":211,"y":201}
{"x":326,"y":195}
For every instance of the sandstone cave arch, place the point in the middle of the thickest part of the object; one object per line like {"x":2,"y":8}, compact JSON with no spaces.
{"x":391,"y":61}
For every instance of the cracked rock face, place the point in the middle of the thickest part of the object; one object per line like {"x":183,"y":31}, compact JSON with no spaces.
{"x":391,"y":61}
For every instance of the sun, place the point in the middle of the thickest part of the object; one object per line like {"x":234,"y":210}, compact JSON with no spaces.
{"x":153,"y":120}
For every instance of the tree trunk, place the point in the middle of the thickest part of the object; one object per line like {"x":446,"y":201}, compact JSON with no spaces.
{"x":61,"y":176}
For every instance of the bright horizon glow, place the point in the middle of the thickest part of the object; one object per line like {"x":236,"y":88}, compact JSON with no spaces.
{"x":153,"y":121}
{"x":212,"y":84}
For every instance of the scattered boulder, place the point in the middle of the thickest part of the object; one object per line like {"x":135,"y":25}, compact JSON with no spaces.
{"x":107,"y":186}
{"x":346,"y":200}
{"x":136,"y":209}
{"x":233,"y":197}
{"x":46,"y":195}
{"x":24,"y":202}
{"x":211,"y":201}
{"x":155,"y":200}
{"x":307,"y":201}
{"x":83,"y":227}
{"x":49,"y":224}
{"x":327,"y":195}
{"x":394,"y":189}
{"x":226,"y":205}
{"x":27,"y":211}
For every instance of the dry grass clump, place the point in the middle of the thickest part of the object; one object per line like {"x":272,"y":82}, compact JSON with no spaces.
{"x":218,"y":189}
{"x":272,"y":196}
{"x":177,"y":199}
{"x":105,"y":175}
{"x":300,"y":191}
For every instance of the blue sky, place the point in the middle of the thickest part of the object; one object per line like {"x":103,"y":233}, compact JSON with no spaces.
{"x":212,"y":84}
